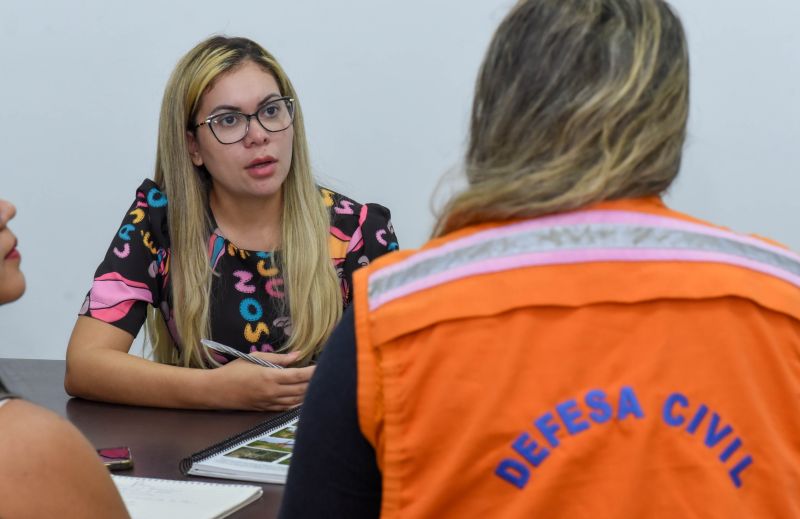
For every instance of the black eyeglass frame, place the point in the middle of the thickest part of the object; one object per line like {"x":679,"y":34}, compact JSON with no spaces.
{"x":290,"y":106}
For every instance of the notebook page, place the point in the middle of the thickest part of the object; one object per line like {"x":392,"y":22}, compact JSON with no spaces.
{"x":149,"y":498}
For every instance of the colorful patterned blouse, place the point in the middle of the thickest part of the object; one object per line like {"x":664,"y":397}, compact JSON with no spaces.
{"x":248,"y":310}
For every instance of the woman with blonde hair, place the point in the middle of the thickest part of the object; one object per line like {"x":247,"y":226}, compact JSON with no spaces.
{"x":231,"y":241}
{"x":566,"y":345}
{"x":40,"y":452}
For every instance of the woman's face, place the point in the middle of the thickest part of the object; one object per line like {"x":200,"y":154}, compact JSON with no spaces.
{"x":257,"y":165}
{"x":12,"y":282}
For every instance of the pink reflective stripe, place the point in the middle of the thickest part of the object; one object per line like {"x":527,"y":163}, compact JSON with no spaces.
{"x":631,"y":218}
{"x":565,"y":257}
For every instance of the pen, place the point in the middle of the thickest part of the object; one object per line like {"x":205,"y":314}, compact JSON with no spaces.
{"x":221,"y":348}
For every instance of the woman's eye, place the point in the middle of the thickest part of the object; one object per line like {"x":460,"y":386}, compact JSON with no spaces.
{"x":227,"y":120}
{"x":271,"y":111}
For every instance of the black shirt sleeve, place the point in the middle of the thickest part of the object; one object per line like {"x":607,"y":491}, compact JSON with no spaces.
{"x":134,"y":271}
{"x":333,"y":472}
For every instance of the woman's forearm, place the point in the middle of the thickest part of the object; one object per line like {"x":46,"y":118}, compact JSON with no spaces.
{"x":115,"y":376}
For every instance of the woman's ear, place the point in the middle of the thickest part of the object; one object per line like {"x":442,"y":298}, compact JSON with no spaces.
{"x":194,"y":149}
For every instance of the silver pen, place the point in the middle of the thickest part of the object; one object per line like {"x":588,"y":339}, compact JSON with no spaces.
{"x":221,"y":348}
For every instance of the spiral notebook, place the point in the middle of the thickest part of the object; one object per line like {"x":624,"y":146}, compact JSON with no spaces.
{"x":150,"y":498}
{"x":261,"y":453}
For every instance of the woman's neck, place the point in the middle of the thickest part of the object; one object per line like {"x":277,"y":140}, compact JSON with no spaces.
{"x":249,"y":223}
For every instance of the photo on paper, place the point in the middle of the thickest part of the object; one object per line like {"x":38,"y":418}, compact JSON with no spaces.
{"x":277,"y":445}
{"x":288,"y":432}
{"x":248,"y":453}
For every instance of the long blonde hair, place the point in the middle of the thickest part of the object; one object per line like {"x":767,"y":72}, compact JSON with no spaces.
{"x":310,"y":281}
{"x":577,"y":101}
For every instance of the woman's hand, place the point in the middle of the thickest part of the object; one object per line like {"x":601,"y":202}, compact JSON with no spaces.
{"x":244,"y":385}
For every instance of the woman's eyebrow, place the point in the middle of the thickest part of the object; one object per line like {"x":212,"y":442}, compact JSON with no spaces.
{"x":232,"y":108}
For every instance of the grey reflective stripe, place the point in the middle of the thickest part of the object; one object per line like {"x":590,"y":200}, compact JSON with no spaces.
{"x":575,"y":238}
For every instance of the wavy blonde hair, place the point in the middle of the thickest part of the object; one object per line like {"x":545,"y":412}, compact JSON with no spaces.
{"x":576,"y":102}
{"x":310,"y":281}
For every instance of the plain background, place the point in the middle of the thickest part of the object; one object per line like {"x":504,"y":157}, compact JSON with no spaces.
{"x":385,"y":88}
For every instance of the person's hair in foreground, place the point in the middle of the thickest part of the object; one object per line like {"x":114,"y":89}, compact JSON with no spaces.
{"x":47,"y":468}
{"x":316,"y":302}
{"x":577,"y":101}
{"x":566,"y":345}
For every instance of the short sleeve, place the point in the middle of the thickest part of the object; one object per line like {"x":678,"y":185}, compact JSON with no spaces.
{"x":134,"y":271}
{"x":359,"y":234}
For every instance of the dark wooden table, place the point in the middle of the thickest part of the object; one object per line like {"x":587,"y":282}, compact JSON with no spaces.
{"x":158,"y":438}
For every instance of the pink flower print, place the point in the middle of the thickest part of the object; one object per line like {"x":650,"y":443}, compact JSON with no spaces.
{"x":112,"y":296}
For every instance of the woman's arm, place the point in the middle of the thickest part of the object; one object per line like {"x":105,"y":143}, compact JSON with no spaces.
{"x":48,"y":469}
{"x":99,"y":367}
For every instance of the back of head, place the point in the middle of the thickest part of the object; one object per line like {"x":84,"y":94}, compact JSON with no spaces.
{"x":577,"y":101}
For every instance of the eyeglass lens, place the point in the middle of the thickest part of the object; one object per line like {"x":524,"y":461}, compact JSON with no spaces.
{"x":232,"y":127}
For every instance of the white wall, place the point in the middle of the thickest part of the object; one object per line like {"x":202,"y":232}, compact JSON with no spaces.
{"x":386,"y":89}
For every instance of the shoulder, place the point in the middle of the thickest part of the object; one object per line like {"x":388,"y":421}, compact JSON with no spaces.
{"x":347,"y":213}
{"x":41,"y":450}
{"x":148,"y":213}
{"x":151,"y":194}
{"x":25,"y":425}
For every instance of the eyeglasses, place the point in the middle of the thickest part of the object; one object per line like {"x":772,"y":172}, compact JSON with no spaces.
{"x":231,"y":127}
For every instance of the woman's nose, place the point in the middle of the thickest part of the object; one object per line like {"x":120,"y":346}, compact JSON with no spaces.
{"x":7,"y":212}
{"x":256,"y":134}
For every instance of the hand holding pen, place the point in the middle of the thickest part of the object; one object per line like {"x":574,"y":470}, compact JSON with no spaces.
{"x":221,"y":348}
{"x":276,"y":389}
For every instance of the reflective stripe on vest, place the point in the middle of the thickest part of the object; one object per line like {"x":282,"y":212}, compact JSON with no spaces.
{"x":582,"y":237}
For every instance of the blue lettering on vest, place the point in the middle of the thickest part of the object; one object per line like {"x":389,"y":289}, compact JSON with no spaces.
{"x":596,"y":400}
{"x":669,"y":405}
{"x":527,"y":449}
{"x":548,"y":429}
{"x":569,"y":413}
{"x":628,"y":404}
{"x":674,"y":413}
{"x":715,"y":433}
{"x":698,"y":419}
{"x":514,"y":472}
{"x":730,"y":449}
{"x":737,"y":470}
{"x":713,"y":437}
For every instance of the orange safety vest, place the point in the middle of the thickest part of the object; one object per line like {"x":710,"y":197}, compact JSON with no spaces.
{"x":619,"y":361}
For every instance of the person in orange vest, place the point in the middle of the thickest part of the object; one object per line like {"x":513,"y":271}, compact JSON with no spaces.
{"x":566,"y":345}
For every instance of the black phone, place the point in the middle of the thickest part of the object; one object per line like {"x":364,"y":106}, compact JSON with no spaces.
{"x":116,"y":458}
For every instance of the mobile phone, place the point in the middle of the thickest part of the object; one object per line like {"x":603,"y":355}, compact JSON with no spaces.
{"x":116,"y":458}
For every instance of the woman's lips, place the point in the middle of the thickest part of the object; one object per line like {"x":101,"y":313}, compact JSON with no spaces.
{"x":262,"y":168}
{"x":14,"y":254}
